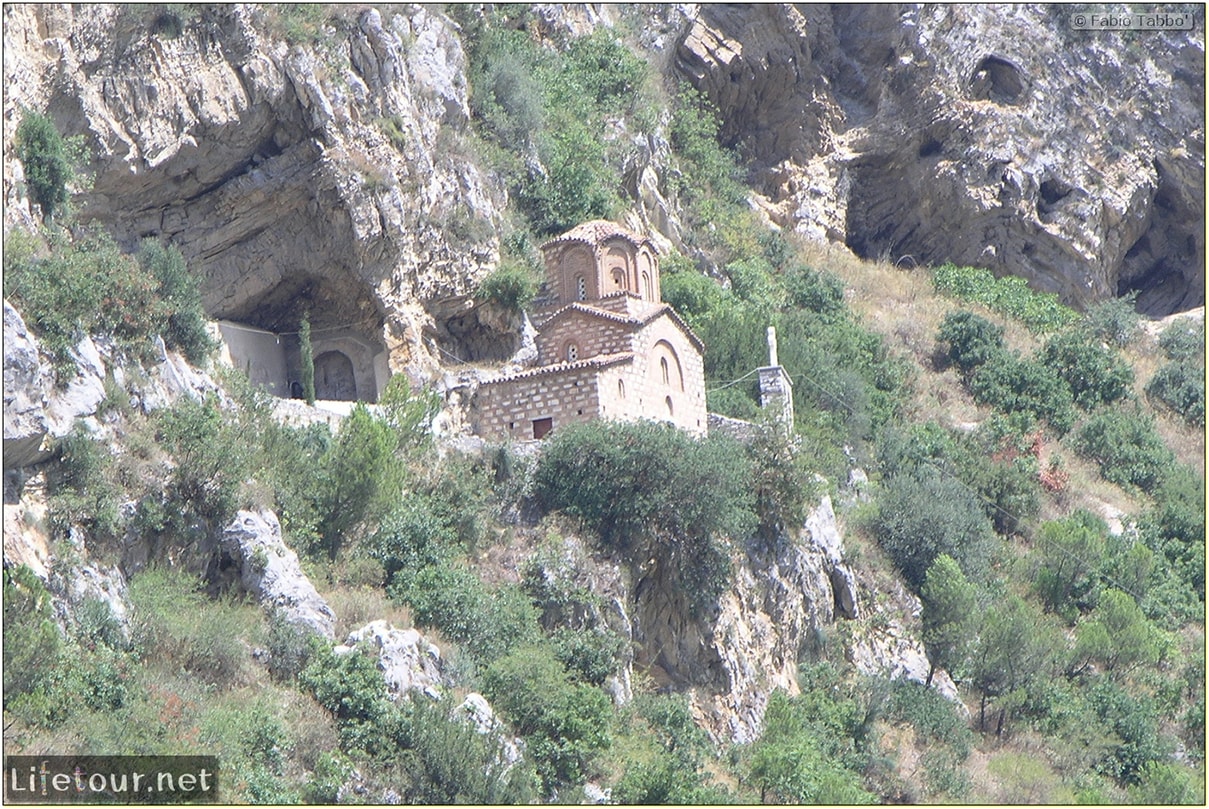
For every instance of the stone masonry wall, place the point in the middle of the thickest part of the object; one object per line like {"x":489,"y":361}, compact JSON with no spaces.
{"x":593,"y":336}
{"x":506,"y":410}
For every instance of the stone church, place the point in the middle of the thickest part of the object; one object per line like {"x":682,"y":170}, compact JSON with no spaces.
{"x":608,"y":347}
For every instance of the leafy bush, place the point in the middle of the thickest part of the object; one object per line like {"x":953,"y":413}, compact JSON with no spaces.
{"x":1071,"y":553}
{"x":451,"y":598}
{"x":361,"y":473}
{"x":1127,"y":448}
{"x":33,"y":644}
{"x":795,"y":760}
{"x":512,"y":285}
{"x":43,"y":156}
{"x":212,"y":460}
{"x":180,"y":294}
{"x":919,"y":517}
{"x":972,"y":339}
{"x":1181,"y":386}
{"x":175,"y":622}
{"x":1114,"y":321}
{"x":948,"y":615}
{"x":1133,"y":717}
{"x":86,"y":285}
{"x":932,"y":716}
{"x":649,"y":489}
{"x":80,"y":486}
{"x":816,"y":291}
{"x":1095,"y":373}
{"x":1015,"y":385}
{"x":1183,"y":339}
{"x":448,"y":761}
{"x":565,"y":724}
{"x":1039,"y":312}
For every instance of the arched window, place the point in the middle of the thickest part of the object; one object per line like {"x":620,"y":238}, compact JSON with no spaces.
{"x":572,"y":352}
{"x":646,"y":286}
{"x":581,"y":288}
{"x":618,"y":278}
{"x":620,"y":389}
{"x":663,"y":369}
{"x":668,"y":402}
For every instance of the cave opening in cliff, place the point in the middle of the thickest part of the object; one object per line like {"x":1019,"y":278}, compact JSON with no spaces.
{"x":998,"y":80}
{"x":262,"y":337}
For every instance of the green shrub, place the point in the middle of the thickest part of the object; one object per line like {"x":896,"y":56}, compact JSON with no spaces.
{"x":448,"y":761}
{"x":565,"y":724}
{"x":361,"y":473}
{"x":33,"y":643}
{"x":589,"y":655}
{"x":1039,"y":312}
{"x":512,"y":285}
{"x":948,"y":616}
{"x":693,"y":294}
{"x":919,"y":517}
{"x":933,"y":717}
{"x":1184,"y":339}
{"x":795,"y":761}
{"x":1095,"y":373}
{"x":1071,"y":553}
{"x":1014,"y":385}
{"x":410,"y":539}
{"x":1133,"y":717}
{"x":1114,"y":321}
{"x":972,"y":339}
{"x":175,"y":626}
{"x":816,"y":291}
{"x":81,"y":488}
{"x":212,"y":460}
{"x":180,"y":294}
{"x":648,"y":489}
{"x":43,"y":156}
{"x":86,"y":285}
{"x":1181,"y":386}
{"x":1163,"y":783}
{"x":1127,"y":448}
{"x":451,"y":598}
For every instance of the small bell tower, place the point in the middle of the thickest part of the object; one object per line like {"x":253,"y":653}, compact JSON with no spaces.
{"x":776,"y":389}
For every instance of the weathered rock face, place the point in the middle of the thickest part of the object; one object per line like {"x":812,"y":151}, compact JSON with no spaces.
{"x":996,"y":137}
{"x":324,"y":177}
{"x":270,"y":571}
{"x":407,"y":660}
{"x":26,"y":385}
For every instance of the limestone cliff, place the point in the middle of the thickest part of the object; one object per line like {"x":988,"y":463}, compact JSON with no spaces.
{"x":994,"y":136}
{"x":324,"y":175}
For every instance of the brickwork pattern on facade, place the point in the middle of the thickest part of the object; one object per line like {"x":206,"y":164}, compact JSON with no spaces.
{"x":607,"y":347}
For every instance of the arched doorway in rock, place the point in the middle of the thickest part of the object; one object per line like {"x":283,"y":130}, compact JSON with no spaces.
{"x":334,"y":377}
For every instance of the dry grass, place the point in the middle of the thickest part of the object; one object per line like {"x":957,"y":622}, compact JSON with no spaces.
{"x":358,"y":606}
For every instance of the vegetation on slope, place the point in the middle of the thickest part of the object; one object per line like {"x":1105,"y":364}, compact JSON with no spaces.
{"x":1078,"y":649}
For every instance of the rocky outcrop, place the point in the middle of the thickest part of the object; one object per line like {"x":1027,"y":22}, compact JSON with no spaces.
{"x":783,"y":598}
{"x":271,"y":573}
{"x":26,"y":385}
{"x":323,"y":175}
{"x":926,"y":134}
{"x":407,"y":660}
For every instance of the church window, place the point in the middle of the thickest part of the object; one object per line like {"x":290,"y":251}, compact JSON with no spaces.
{"x":620,"y":389}
{"x":668,"y":402}
{"x":663,"y":369}
{"x":581,"y":288}
{"x":572,"y":352}
{"x":619,"y":278}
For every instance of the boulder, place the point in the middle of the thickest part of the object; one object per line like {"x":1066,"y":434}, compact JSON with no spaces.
{"x":270,"y":571}
{"x":407,"y":660}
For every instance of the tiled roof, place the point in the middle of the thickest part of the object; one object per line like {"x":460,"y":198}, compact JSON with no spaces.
{"x":599,"y":361}
{"x":595,"y":232}
{"x":641,"y":320}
